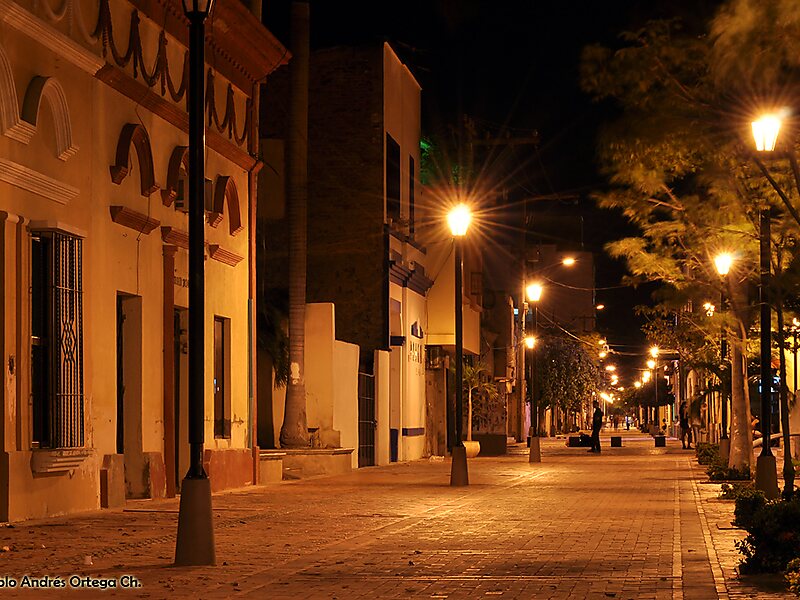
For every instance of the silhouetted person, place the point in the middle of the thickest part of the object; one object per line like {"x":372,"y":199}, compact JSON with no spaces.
{"x":683,"y":422}
{"x":597,"y":424}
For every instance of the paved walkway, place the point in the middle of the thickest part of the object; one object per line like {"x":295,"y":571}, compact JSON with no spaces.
{"x":632,"y":523}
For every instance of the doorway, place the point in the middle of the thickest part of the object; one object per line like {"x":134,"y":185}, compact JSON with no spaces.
{"x":129,"y":394}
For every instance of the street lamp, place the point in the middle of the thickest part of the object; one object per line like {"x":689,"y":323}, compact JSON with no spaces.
{"x":652,"y":364}
{"x":195,"y":540}
{"x":459,"y":219}
{"x":723,"y":263}
{"x":534,"y":291}
{"x":765,"y":133}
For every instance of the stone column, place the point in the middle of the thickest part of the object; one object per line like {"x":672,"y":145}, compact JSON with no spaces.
{"x":169,"y":367}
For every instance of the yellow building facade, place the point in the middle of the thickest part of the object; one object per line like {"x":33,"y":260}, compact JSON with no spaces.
{"x":93,"y":249}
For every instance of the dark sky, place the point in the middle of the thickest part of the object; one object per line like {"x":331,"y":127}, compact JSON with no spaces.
{"x":512,"y":66}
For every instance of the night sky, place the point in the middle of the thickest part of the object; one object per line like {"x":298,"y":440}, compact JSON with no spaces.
{"x":512,"y":66}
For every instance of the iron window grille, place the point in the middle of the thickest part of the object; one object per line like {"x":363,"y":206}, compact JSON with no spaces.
{"x":57,"y":340}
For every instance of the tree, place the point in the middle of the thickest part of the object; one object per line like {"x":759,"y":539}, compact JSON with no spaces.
{"x":566,"y":374}
{"x":294,"y":431}
{"x":476,"y":383}
{"x":678,"y":165}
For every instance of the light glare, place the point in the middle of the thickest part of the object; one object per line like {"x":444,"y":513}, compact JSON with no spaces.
{"x":765,"y":132}
{"x":723,"y":263}
{"x":459,"y":219}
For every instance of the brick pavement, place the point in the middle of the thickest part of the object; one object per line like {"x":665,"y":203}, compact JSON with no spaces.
{"x":632,"y":523}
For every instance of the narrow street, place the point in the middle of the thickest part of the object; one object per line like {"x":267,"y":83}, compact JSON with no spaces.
{"x":632,"y":523}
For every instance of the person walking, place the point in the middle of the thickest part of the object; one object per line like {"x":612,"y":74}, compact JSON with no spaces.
{"x":683,"y":422}
{"x":597,"y":424}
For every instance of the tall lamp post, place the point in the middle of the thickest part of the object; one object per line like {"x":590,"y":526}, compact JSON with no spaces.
{"x":654,"y":353}
{"x":723,"y":264}
{"x":195,"y":541}
{"x":534,"y":293}
{"x":458,"y":219}
{"x":765,"y":133}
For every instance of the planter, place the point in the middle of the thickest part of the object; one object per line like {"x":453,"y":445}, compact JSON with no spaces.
{"x":472,"y":448}
{"x":661,"y":441}
{"x":616,"y":441}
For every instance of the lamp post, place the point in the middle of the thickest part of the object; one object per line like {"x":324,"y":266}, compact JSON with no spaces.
{"x":765,"y":134}
{"x":458,"y":219}
{"x":534,"y":292}
{"x":723,"y":264}
{"x":654,"y":353}
{"x":195,"y":541}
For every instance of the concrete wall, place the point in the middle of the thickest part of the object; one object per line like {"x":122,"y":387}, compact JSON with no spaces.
{"x":345,"y":396}
{"x":382,"y":392}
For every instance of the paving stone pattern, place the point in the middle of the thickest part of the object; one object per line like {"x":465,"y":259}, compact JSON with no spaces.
{"x":631,"y":523}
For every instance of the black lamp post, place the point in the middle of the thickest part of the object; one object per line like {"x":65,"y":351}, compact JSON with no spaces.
{"x":195,"y":541}
{"x":458,"y":219}
{"x":766,"y":468}
{"x":534,"y":292}
{"x":723,"y":264}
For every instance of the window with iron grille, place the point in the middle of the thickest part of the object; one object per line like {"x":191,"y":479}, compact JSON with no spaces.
{"x":57,"y":340}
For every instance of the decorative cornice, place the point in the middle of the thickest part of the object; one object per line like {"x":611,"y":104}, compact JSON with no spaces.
{"x":176,"y":237}
{"x":142,"y":95}
{"x":127,"y":217}
{"x":35,"y":28}
{"x":10,"y":123}
{"x":36,"y":183}
{"x":50,"y":89}
{"x":179,"y":156}
{"x":134,"y":134}
{"x":222,"y":255}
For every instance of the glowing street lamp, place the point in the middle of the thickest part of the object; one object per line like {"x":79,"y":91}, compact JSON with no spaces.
{"x":765,"y":132}
{"x":654,"y":351}
{"x":637,"y":384}
{"x":459,"y":219}
{"x":723,"y":263}
{"x":534,"y":291}
{"x":568,"y":261}
{"x":530,"y":341}
{"x":611,"y":368}
{"x":651,"y":364}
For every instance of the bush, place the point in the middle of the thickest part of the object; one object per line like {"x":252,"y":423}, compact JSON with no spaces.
{"x":719,"y":471}
{"x":707,"y":453}
{"x":749,"y":502}
{"x":773,"y":539}
{"x":735,"y":490}
{"x":793,"y":576}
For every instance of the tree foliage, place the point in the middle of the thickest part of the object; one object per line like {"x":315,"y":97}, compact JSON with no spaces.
{"x":566,"y":373}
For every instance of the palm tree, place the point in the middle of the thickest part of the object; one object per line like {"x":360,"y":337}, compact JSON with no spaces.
{"x":476,"y":381}
{"x":294,"y":431}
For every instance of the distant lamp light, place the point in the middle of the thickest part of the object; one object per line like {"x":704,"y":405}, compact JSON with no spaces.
{"x":651,"y":364}
{"x":723,"y":263}
{"x":534,"y":291}
{"x":654,"y":351}
{"x":710,"y":308}
{"x":600,"y":306}
{"x":602,"y":342}
{"x":637,"y":384}
{"x":765,"y":132}
{"x":530,"y":341}
{"x":646,"y":376}
{"x":611,"y":368}
{"x":568,"y":261}
{"x":459,"y":219}
{"x":603,"y":354}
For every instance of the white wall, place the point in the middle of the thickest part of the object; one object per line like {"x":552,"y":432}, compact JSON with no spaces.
{"x":345,"y":396}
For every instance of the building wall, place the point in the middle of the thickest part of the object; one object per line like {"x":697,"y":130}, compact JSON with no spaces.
{"x":76,"y":195}
{"x":347,"y":262}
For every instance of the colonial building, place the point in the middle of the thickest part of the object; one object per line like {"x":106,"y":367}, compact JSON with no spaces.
{"x":93,"y":249}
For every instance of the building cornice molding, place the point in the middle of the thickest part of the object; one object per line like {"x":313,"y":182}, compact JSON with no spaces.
{"x":139,"y":222}
{"x":32,"y":26}
{"x":220,"y":254}
{"x":35,"y":182}
{"x":176,"y":237}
